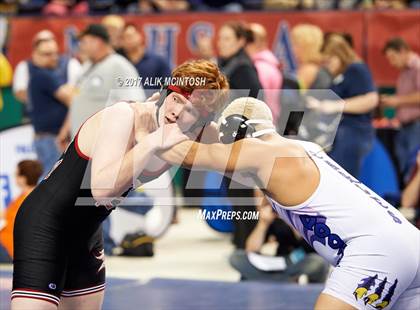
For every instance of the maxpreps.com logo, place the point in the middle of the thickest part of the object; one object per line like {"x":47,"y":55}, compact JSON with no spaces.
{"x":367,"y":284}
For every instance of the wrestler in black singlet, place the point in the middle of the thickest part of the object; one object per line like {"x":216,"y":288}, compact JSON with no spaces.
{"x":58,"y":244}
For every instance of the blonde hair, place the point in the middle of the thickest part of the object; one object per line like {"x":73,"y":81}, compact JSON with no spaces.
{"x":213,"y":77}
{"x":113,"y":21}
{"x":251,"y":108}
{"x":310,"y":39}
{"x":337,"y":46}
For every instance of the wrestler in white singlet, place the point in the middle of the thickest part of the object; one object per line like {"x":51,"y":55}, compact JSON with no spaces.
{"x":373,"y":247}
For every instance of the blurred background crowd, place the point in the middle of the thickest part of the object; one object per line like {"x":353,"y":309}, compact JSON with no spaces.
{"x":83,"y":7}
{"x":58,"y":91}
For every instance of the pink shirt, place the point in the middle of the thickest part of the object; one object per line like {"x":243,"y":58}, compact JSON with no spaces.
{"x":270,"y":78}
{"x":409,"y":82}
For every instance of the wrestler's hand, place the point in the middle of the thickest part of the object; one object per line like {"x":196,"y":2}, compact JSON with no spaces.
{"x":144,"y":119}
{"x":166,"y":136}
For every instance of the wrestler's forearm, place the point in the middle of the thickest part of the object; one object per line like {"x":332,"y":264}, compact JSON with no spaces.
{"x":127,"y":170}
{"x":181,"y":154}
{"x":216,"y":156}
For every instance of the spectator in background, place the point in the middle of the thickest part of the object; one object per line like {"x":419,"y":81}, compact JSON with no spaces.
{"x":389,"y":4}
{"x":151,"y":67}
{"x":410,"y":199}
{"x":49,"y":96}
{"x":406,"y":100}
{"x":159,"y":6}
{"x":115,"y":24}
{"x":414,"y":4}
{"x":346,"y":36}
{"x":27,"y":175}
{"x":221,"y":5}
{"x":354,"y":84}
{"x":8,"y":7}
{"x":336,"y":4}
{"x":281,"y":4}
{"x":66,"y":7}
{"x":307,"y":41}
{"x":299,"y":256}
{"x":21,"y":75}
{"x":235,"y":63}
{"x":267,"y":66}
{"x":108,"y":78}
{"x":233,"y":60}
{"x":5,"y":77}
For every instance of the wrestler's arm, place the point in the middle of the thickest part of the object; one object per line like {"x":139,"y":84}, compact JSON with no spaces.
{"x":209,"y":134}
{"x":115,"y":163}
{"x":242,"y":155}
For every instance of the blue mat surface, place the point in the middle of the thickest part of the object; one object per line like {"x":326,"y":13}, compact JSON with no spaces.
{"x":168,"y":294}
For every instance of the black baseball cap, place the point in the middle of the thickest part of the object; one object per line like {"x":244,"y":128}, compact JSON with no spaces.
{"x":96,"y":30}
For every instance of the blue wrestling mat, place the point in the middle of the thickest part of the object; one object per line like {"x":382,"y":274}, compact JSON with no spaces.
{"x":168,"y":294}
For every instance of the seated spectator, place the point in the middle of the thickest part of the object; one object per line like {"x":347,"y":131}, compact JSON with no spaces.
{"x":390,"y":4}
{"x":158,"y":6}
{"x":337,"y":4}
{"x":223,"y":5}
{"x":281,"y":4}
{"x":31,"y":7}
{"x":65,"y":8}
{"x":414,"y":4}
{"x":384,"y":4}
{"x":299,"y":256}
{"x":107,"y":6}
{"x":27,"y":175}
{"x":410,"y":199}
{"x":8,"y":7}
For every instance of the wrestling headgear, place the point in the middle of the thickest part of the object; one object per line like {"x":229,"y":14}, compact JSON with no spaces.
{"x":236,"y":127}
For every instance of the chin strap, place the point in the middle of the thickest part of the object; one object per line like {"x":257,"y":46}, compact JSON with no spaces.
{"x":261,"y":132}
